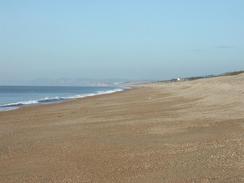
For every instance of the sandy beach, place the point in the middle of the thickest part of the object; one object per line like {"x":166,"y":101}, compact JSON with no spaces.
{"x":191,"y":131}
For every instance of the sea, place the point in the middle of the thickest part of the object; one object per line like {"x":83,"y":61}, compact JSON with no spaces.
{"x":13,"y":97}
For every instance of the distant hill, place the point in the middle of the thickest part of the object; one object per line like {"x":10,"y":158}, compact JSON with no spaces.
{"x":203,"y":77}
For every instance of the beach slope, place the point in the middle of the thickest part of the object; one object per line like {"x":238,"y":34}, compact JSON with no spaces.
{"x":191,"y":131}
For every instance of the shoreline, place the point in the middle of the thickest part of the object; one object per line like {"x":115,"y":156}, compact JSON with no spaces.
{"x":189,"y":131}
{"x":55,"y":100}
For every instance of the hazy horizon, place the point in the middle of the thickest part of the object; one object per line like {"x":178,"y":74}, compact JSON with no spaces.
{"x":43,"y":42}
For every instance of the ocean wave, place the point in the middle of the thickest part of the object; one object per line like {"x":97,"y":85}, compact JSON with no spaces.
{"x":48,"y":100}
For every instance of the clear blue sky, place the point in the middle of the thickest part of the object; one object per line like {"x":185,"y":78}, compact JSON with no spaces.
{"x":131,"y":39}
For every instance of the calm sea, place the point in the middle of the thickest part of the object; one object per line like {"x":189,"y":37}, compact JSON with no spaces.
{"x":12,"y":97}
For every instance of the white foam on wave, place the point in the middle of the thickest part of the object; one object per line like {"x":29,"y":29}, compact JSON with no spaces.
{"x":94,"y":94}
{"x":48,"y":100}
{"x":29,"y":102}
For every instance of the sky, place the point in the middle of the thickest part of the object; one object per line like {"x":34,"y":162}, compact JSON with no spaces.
{"x":123,"y":39}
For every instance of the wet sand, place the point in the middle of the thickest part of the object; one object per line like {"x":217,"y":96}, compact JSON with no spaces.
{"x":190,"y":131}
